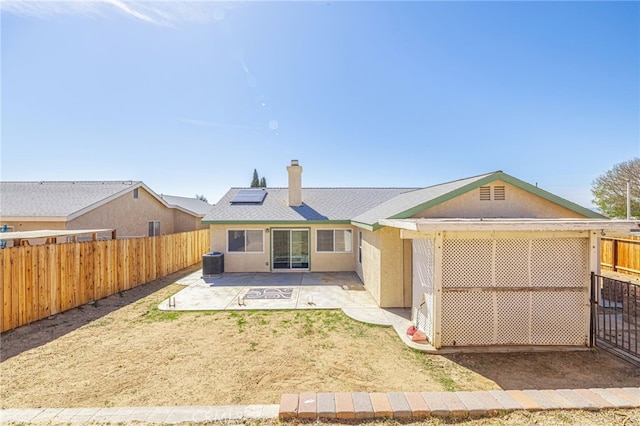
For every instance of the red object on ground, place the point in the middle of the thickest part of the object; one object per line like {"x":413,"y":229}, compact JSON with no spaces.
{"x":419,"y":336}
{"x":411,"y":330}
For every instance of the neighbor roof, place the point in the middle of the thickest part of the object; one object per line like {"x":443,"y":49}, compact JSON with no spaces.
{"x":57,"y":199}
{"x":194,"y":205}
{"x":65,"y":200}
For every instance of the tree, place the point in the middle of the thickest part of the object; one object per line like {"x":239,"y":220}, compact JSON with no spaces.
{"x":255,"y":182}
{"x":201,"y":198}
{"x":263,"y":182}
{"x":610,"y":189}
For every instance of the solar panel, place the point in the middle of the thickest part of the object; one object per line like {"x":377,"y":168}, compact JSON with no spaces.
{"x":249,"y":196}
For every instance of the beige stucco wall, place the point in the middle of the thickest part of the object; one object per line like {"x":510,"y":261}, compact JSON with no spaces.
{"x":517,"y":204}
{"x":261,"y":262}
{"x":35,"y":225}
{"x":385,"y":270}
{"x":369,"y":269}
{"x":185,"y":222}
{"x":129,"y":216}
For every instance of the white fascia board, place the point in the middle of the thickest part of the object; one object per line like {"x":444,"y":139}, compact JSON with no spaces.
{"x":424,"y":225}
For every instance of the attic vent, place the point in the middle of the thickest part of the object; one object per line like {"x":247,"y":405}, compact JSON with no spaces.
{"x":485,"y":193}
{"x":499,"y":193}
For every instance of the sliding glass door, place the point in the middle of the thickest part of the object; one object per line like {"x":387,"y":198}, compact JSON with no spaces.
{"x":290,"y":249}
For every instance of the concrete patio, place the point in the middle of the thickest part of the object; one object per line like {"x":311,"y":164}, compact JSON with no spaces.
{"x":290,"y":290}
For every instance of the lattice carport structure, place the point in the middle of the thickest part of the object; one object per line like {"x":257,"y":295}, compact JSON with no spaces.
{"x":484,"y":282}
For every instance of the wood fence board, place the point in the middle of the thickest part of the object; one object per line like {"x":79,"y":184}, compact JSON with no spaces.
{"x":622,"y":255}
{"x":35,"y":284}
{"x":43,"y":284}
{"x":39,"y":281}
{"x":15,"y":295}
{"x":2,"y":289}
{"x":28,"y":277}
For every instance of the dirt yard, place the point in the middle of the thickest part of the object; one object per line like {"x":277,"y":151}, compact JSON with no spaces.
{"x":123,"y":351}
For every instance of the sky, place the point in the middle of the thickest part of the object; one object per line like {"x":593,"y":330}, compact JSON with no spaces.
{"x":191,"y":97}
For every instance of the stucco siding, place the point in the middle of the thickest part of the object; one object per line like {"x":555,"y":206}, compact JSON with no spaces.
{"x":371,"y":261}
{"x":261,"y":262}
{"x":185,"y":222}
{"x":35,"y":226}
{"x":129,"y":216}
{"x":392,"y":291}
{"x":333,"y":262}
{"x":517,"y":204}
{"x":386,"y":269}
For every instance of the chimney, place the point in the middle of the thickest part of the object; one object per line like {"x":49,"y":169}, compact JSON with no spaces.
{"x":295,"y":184}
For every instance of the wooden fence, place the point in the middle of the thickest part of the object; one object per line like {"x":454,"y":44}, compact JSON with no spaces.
{"x":621,"y":255}
{"x":40,"y":281}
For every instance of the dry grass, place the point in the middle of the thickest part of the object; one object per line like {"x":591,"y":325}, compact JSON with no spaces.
{"x":125,"y":352}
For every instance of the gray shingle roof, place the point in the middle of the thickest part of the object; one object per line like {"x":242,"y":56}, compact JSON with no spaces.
{"x":198,"y":207}
{"x":338,"y":204}
{"x":56,"y":198}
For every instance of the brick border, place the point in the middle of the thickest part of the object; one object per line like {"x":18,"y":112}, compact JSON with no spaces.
{"x":461,"y":404}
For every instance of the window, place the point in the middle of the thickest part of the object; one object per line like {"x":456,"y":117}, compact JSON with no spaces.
{"x":334,"y":240}
{"x":245,"y":241}
{"x":359,"y":246}
{"x":154,"y":228}
{"x":135,"y":193}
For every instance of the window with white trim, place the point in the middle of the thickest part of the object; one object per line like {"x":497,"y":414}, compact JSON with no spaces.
{"x":245,"y":241}
{"x":334,"y":240}
{"x":154,"y":228}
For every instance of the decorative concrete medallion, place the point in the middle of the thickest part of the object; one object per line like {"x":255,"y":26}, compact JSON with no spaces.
{"x":269,"y":293}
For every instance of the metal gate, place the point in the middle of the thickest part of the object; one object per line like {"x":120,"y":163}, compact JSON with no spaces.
{"x":615,"y":316}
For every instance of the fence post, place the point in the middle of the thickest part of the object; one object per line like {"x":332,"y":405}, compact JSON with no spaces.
{"x":594,"y":312}
{"x":614,"y":254}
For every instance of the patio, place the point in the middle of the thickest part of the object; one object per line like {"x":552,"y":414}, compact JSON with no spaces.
{"x":289,"y":290}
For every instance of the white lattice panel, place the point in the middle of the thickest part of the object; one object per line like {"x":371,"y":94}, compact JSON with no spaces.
{"x":512,"y":263}
{"x":466,"y":263}
{"x":504,"y":312}
{"x":512,"y":319}
{"x":559,"y":262}
{"x":423,"y":257}
{"x":558,"y":318}
{"x":467,"y":318}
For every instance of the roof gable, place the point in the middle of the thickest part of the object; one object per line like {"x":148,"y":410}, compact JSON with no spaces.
{"x":193,"y":205}
{"x":65,"y":200}
{"x":407,"y":205}
{"x":58,"y":198}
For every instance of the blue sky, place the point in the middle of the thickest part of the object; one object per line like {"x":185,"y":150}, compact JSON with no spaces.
{"x":190,"y":97}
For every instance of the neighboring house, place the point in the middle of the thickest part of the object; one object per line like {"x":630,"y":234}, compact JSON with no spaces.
{"x":197,"y":207}
{"x":129,"y":207}
{"x":486,"y":260}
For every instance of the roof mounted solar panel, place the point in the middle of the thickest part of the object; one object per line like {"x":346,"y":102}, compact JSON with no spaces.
{"x":249,"y":196}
